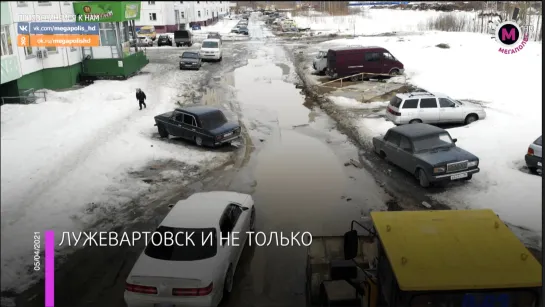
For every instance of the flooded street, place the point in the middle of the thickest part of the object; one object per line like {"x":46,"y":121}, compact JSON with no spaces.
{"x":293,"y":161}
{"x":297,"y":176}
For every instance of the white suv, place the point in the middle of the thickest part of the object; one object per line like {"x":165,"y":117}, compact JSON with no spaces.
{"x":423,"y":107}
{"x":211,"y":49}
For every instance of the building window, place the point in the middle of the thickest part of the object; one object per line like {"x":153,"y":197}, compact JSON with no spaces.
{"x":152,"y":16}
{"x":7,"y":49}
{"x":181,"y":2}
{"x":51,"y":49}
{"x":21,"y":3}
{"x":198,"y":2}
{"x":207,"y":12}
{"x":107,"y":34}
{"x":151,"y":2}
{"x":66,"y":2}
{"x":72,"y":49}
{"x":182,"y":14}
{"x":124,"y":31}
{"x":221,"y":9}
{"x":29,"y":52}
{"x":199,"y":13}
{"x":44,"y":3}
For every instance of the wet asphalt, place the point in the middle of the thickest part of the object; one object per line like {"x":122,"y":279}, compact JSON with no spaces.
{"x":293,"y":161}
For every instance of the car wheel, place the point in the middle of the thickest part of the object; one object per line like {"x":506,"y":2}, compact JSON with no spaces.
{"x":423,"y":178}
{"x":471,"y":118}
{"x":221,"y":58}
{"x":177,"y":45}
{"x":198,"y":141}
{"x":394,"y":72}
{"x":228,"y":284}
{"x":355,"y":78}
{"x":415,"y":121}
{"x":533,"y":170}
{"x":252,"y":219}
{"x":382,"y":155}
{"x":162,"y":131}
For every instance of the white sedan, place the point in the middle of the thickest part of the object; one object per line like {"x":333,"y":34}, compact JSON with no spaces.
{"x":190,"y":273}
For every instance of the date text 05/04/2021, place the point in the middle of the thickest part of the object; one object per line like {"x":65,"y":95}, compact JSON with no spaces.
{"x":205,"y":237}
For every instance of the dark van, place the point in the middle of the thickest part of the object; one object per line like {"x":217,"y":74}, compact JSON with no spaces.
{"x":183,"y":38}
{"x":348,"y":61}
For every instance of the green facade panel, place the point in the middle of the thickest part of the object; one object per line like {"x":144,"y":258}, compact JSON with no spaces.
{"x":9,"y":69}
{"x":111,"y":68}
{"x":5,"y":13}
{"x":51,"y":78}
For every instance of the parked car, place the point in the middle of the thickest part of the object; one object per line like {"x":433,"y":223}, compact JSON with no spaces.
{"x":164,"y":40}
{"x":196,"y":27}
{"x":183,"y":38}
{"x":534,"y":157}
{"x":423,"y":107}
{"x":320,"y":62}
{"x":215,"y":35}
{"x":148,"y":31}
{"x":206,"y":126}
{"x":427,"y":152}
{"x":144,"y":41}
{"x":235,"y":30}
{"x":349,"y":61}
{"x":195,"y":270}
{"x":211,"y":50}
{"x":243,"y":30}
{"x":190,"y":60}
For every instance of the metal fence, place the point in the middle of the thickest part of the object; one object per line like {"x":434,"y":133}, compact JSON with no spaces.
{"x":25,"y":97}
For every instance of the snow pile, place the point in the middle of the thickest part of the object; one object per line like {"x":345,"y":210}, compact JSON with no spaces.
{"x":354,"y":104}
{"x":76,"y":149}
{"x":474,"y":69}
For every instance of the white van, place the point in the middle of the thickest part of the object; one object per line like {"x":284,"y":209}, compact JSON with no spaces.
{"x":320,"y":62}
{"x":211,"y":49}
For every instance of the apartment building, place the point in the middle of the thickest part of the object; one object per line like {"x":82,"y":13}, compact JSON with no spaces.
{"x":33,"y":67}
{"x":170,"y":16}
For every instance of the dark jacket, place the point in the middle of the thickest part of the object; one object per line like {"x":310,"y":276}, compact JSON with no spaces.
{"x":140,"y":96}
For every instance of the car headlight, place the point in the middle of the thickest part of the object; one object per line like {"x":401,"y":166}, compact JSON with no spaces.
{"x":472,"y":163}
{"x":439,"y":170}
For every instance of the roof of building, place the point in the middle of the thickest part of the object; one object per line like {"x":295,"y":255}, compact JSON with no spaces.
{"x":417,"y":130}
{"x":198,"y":110}
{"x":454,"y":250}
{"x":202,"y":210}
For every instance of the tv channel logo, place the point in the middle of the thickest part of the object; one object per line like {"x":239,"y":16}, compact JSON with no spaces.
{"x":512,"y":37}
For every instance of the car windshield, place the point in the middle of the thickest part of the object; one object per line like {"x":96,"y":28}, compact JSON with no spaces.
{"x":321,"y":54}
{"x":395,"y":102}
{"x":431,"y":142}
{"x":519,"y":298}
{"x":190,"y":55}
{"x":210,"y":44}
{"x":163,"y":37}
{"x":145,"y":31}
{"x":538,"y":141}
{"x":189,"y":244}
{"x":213,"y":120}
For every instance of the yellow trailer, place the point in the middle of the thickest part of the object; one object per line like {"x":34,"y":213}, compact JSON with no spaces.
{"x":450,"y":258}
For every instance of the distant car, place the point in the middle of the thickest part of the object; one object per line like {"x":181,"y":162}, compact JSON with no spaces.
{"x":210,"y":230}
{"x":144,"y":41}
{"x":350,"y":61}
{"x":534,"y":156}
{"x":211,"y":50}
{"x":206,"y":126}
{"x":190,"y":60}
{"x":196,"y":27}
{"x":164,"y":40}
{"x":235,"y":30}
{"x":428,"y":108}
{"x":243,"y":30}
{"x":183,"y":38}
{"x":427,"y":152}
{"x":214,"y":35}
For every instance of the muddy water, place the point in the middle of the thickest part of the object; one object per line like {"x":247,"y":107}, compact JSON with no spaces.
{"x":298,"y":180}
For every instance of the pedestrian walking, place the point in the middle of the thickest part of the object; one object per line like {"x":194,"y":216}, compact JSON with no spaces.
{"x":141,"y":97}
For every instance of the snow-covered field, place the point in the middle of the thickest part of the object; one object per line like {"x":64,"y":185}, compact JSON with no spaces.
{"x":75,"y":149}
{"x":510,"y":86}
{"x":376,"y":21}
